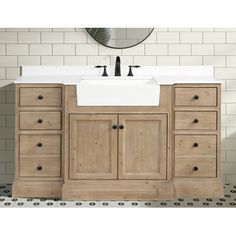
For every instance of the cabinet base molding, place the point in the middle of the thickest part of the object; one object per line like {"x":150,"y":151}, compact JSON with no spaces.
{"x":198,"y":188}
{"x":37,"y":189}
{"x":117,"y":190}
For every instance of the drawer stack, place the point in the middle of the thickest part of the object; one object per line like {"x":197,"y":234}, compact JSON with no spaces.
{"x":38,"y":129}
{"x":196,"y":131}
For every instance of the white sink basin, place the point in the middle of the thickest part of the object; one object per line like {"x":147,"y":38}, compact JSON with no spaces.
{"x":118,"y":92}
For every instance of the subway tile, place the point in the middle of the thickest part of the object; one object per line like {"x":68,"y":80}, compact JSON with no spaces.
{"x":179,"y":49}
{"x":190,"y":60}
{"x":8,"y":37}
{"x":52,"y":37}
{"x":202,"y":29}
{"x":202,"y":49}
{"x":230,"y":179}
{"x":7,"y":156}
{"x":179,"y":29}
{"x":2,"y":145}
{"x":99,"y":60}
{"x":231,"y":108}
{"x":17,"y":49}
{"x":10,"y":119}
{"x":224,"y":29}
{"x":167,"y":37}
{"x":13,"y":73}
{"x":8,"y":61}
{"x":231,"y":37}
{"x":2,"y":49}
{"x":228,"y":168}
{"x":160,"y":30}
{"x":10,"y":144}
{"x":145,"y":60}
{"x":2,"y":73}
{"x":214,"y":61}
{"x":168,"y":60}
{"x":2,"y":120}
{"x":7,"y":132}
{"x":79,"y":29}
{"x":225,"y":73}
{"x":214,"y":37}
{"x":75,"y":37}
{"x":11,"y":95}
{"x":223,"y":156}
{"x":2,"y":29}
{"x":2,"y":168}
{"x":17,"y":29}
{"x":40,"y":29}
{"x":230,"y":132}
{"x":28,"y":60}
{"x":3,"y":96}
{"x":231,"y":61}
{"x":138,"y":50}
{"x":225,"y":49}
{"x":231,"y":85}
{"x":51,"y":60}
{"x":190,"y":37}
{"x":64,"y":49}
{"x":28,"y":37}
{"x":152,"y":38}
{"x":156,"y":49}
{"x":228,"y":121}
{"x":7,"y":108}
{"x":10,"y":168}
{"x":223,"y":109}
{"x":108,"y":51}
{"x":4,"y":178}
{"x":228,"y":96}
{"x":40,"y":49}
{"x":86,"y":49}
{"x":75,"y":60}
{"x":63,"y":29}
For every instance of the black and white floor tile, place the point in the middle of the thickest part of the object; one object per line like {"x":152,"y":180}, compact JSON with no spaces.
{"x":229,"y":200}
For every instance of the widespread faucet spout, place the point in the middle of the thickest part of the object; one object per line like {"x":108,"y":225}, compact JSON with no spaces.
{"x":117,"y":67}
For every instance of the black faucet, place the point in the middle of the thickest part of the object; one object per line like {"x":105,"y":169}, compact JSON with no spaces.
{"x":117,"y":67}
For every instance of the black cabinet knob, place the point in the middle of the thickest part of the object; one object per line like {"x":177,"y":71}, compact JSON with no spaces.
{"x":195,"y":144}
{"x":39,"y":167}
{"x":195,"y":120}
{"x":40,"y":121}
{"x":195,"y":97}
{"x":114,"y":126}
{"x":40,"y":144}
{"x":121,"y":126}
{"x":40,"y":97}
{"x":195,"y":168}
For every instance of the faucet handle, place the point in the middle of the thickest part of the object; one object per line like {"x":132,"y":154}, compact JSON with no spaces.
{"x":130,"y":69}
{"x":104,"y":70}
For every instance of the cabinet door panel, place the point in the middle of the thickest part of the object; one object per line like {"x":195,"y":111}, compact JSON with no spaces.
{"x":142,"y":147}
{"x":93,"y":150}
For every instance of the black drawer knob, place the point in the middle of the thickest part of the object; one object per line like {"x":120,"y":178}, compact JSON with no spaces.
{"x":195,"y":97}
{"x":195,"y":144}
{"x":40,"y":97}
{"x":40,"y":121}
{"x":195,"y":168}
{"x":40,"y":144}
{"x":121,"y":126}
{"x":195,"y":121}
{"x":39,"y":168}
{"x":114,"y":126}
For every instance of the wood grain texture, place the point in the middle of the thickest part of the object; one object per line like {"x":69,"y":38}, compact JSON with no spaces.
{"x":93,"y":147}
{"x":206,"y":120}
{"x":205,"y":96}
{"x":143,"y":146}
{"x":31,"y":97}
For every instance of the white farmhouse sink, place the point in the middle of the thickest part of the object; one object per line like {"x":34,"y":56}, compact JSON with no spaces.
{"x":122,"y":91}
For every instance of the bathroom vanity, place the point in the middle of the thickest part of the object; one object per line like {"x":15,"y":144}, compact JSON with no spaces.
{"x":73,"y":151}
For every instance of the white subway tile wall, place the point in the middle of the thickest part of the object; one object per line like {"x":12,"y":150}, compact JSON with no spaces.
{"x":71,"y":46}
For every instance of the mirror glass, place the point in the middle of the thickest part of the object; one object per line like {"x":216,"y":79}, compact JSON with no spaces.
{"x":119,"y":37}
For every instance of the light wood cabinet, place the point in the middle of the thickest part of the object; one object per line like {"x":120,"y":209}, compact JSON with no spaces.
{"x":117,"y":153}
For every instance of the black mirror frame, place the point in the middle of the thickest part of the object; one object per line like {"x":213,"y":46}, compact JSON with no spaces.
{"x":120,"y":47}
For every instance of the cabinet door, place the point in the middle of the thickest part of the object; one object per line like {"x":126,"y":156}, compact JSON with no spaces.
{"x":142,"y":146}
{"x":93,"y":147}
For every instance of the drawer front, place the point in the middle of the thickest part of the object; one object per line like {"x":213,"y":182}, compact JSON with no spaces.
{"x":40,"y":120}
{"x":195,"y":96}
{"x":195,"y":145}
{"x":36,"y":166}
{"x":40,"y":144}
{"x":40,"y":97}
{"x":186,"y":167}
{"x":196,"y":120}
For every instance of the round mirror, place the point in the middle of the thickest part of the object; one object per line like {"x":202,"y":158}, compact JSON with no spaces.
{"x":119,"y":38}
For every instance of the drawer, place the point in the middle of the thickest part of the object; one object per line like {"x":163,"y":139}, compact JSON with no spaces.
{"x":195,"y":145}
{"x":36,"y":166}
{"x":185,"y":167}
{"x":196,"y":120}
{"x":40,"y":120}
{"x":40,"y":144}
{"x":195,"y":96}
{"x":40,"y":97}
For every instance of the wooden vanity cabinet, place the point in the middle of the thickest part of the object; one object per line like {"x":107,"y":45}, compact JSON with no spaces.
{"x":117,"y":153}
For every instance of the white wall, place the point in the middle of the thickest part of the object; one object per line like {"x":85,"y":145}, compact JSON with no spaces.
{"x":216,"y":47}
